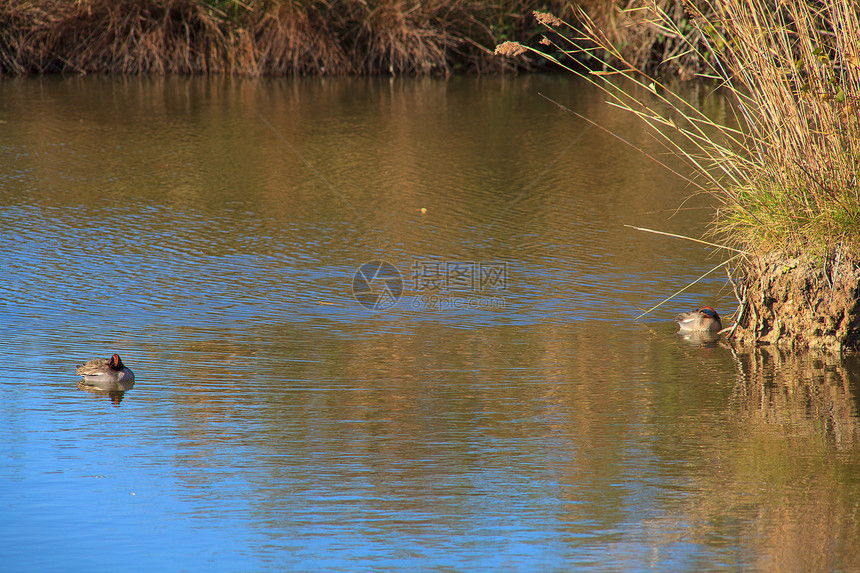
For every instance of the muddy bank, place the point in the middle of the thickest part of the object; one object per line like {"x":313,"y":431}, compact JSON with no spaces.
{"x":799,"y":302}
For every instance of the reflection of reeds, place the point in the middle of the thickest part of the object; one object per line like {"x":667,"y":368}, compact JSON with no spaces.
{"x":786,"y":466}
{"x":258,"y":36}
{"x":772,"y":484}
{"x":810,"y":395}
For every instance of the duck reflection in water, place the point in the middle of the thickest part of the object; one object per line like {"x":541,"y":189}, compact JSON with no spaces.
{"x":115,"y":396}
{"x":700,"y":327}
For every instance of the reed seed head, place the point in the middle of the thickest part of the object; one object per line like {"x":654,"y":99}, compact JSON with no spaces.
{"x":547,"y":19}
{"x":510,"y":49}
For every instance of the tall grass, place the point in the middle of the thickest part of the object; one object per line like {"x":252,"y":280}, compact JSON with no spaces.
{"x":787,"y":180}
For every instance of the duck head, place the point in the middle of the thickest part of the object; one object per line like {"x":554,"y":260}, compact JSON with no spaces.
{"x":707,"y":311}
{"x":705,"y":319}
{"x":116,"y":362}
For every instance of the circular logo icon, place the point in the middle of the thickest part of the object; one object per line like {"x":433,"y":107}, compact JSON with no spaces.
{"x":377,"y":285}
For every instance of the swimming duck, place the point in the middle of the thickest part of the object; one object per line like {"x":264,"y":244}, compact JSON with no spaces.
{"x":103,"y":372}
{"x":705,"y":319}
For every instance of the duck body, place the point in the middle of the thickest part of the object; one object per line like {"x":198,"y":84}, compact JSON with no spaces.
{"x":704,"y":319}
{"x":104,"y":372}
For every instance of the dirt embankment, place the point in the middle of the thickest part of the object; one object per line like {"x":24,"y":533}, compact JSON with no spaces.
{"x":800,"y":302}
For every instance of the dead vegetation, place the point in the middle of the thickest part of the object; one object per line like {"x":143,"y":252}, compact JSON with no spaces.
{"x":260,"y":37}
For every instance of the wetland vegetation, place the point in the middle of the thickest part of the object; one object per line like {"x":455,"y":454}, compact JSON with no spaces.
{"x":280,"y":37}
{"x":262,"y":37}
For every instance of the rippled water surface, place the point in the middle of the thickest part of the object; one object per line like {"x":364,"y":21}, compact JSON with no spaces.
{"x":498,"y":409}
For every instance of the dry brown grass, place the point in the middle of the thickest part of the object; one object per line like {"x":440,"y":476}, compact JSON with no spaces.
{"x":646,"y":43}
{"x":256,"y":37}
{"x":100,"y":35}
{"x":290,"y":39}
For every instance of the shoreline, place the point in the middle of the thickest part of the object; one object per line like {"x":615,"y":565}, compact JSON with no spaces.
{"x":800,"y":301}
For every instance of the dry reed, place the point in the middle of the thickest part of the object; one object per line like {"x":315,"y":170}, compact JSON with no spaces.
{"x":256,"y":37}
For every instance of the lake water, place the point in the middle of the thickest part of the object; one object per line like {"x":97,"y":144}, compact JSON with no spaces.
{"x":484,"y":400}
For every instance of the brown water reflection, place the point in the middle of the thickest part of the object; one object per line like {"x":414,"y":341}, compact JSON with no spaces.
{"x":267,"y":195}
